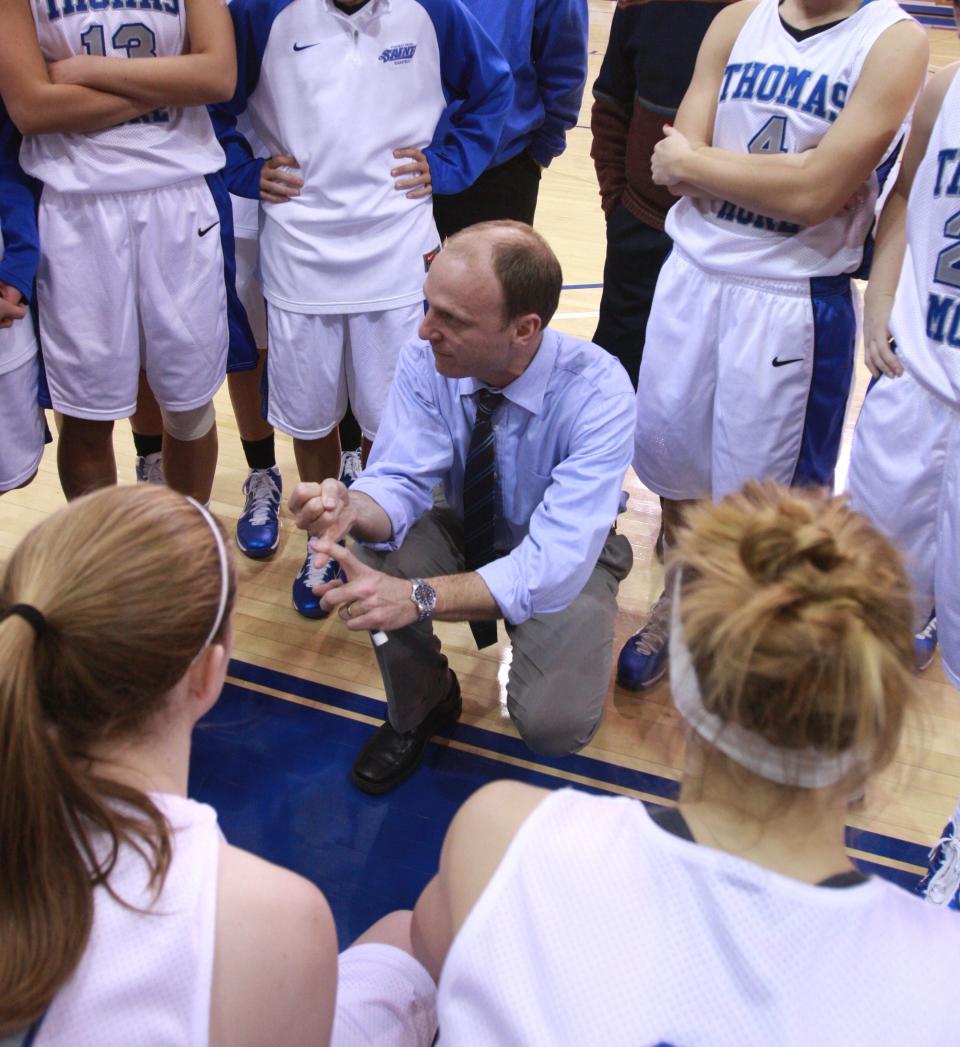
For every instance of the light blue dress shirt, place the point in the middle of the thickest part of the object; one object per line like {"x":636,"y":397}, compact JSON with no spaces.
{"x":564,"y":440}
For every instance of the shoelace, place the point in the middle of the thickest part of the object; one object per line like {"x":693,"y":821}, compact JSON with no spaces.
{"x":315,"y":576}
{"x":154,"y":472}
{"x":654,"y":634}
{"x":261,"y":494}
{"x":945,"y":881}
{"x":350,"y":468}
{"x":926,"y":633}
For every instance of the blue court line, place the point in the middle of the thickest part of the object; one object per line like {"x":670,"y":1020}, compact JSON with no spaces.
{"x":278,"y":774}
{"x":580,"y":287}
{"x":588,"y":767}
{"x":481,"y":737}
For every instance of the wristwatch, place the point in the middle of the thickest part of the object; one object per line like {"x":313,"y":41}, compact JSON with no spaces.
{"x":424,"y":597}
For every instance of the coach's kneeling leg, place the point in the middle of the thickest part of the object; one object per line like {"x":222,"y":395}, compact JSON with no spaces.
{"x":561,"y":662}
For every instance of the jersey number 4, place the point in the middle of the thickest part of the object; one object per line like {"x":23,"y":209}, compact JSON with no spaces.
{"x":138,"y":41}
{"x":770,"y":137}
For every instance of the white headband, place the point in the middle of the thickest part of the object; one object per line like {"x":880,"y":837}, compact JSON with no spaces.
{"x":802,"y":768}
{"x":224,"y":570}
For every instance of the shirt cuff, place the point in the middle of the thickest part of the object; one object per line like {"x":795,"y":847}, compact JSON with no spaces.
{"x":16,"y":279}
{"x":392,"y":506}
{"x":503,"y":578}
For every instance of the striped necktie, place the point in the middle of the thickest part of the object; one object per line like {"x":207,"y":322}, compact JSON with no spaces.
{"x":481,"y":500}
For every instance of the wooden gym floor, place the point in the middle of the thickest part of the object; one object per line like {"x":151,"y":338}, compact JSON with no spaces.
{"x":910,"y":802}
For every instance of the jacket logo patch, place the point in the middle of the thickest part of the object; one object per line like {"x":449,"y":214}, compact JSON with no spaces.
{"x":399,"y":54}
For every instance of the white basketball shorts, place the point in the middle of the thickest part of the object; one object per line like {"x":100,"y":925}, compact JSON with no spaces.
{"x":742,"y":379}
{"x":22,"y":431}
{"x":905,"y":476}
{"x":248,"y":288}
{"x":318,"y":360}
{"x":116,"y":265}
{"x":384,"y":999}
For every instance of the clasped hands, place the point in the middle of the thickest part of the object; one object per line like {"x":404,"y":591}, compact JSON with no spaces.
{"x":369,"y":599}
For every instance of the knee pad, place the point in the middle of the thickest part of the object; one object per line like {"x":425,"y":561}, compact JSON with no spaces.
{"x":189,"y":425}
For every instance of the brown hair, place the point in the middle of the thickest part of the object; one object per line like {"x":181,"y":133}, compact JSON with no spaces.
{"x":524,"y":264}
{"x":797,"y":615}
{"x":128,"y":582}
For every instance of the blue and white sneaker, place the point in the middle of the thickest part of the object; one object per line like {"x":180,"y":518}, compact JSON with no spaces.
{"x":941,"y":885}
{"x":925,"y":644}
{"x":643,"y":660}
{"x":258,"y":526}
{"x":351,"y":466}
{"x":305,"y":600}
{"x":150,"y":469}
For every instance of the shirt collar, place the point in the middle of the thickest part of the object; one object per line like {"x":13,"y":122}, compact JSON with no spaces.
{"x":528,"y":390}
{"x":362,"y":14}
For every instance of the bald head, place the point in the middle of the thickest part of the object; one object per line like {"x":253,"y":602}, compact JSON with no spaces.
{"x":523,"y":263}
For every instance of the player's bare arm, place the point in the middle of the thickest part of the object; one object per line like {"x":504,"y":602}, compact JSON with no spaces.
{"x":698,"y":110}
{"x":809,"y":187}
{"x":891,"y":240}
{"x":475,"y":844}
{"x":208,"y":73}
{"x":36,"y":104}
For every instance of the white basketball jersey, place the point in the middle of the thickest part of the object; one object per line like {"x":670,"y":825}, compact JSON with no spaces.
{"x":926,"y":313}
{"x":146,"y":976}
{"x":160,"y":148}
{"x":779,"y":94}
{"x":600,"y":927}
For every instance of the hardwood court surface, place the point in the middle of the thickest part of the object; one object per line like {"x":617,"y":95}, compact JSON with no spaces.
{"x":910,"y":801}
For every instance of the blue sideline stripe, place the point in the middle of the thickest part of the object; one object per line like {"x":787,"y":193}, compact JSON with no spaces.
{"x":506,"y":745}
{"x":579,"y":287}
{"x":277,"y":773}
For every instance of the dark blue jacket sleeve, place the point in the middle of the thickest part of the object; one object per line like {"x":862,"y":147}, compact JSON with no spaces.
{"x":252,"y":20}
{"x":560,"y":32}
{"x":478,"y":87}
{"x":18,"y":214}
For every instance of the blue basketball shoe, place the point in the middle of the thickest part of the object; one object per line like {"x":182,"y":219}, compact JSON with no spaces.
{"x":305,"y":600}
{"x":941,"y":885}
{"x":258,"y":526}
{"x":925,"y":644}
{"x":643,"y":660}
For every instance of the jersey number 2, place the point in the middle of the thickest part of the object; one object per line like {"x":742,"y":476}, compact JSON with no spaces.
{"x":947,"y":270}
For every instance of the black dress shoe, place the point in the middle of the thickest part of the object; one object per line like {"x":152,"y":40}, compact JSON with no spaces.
{"x":389,"y":756}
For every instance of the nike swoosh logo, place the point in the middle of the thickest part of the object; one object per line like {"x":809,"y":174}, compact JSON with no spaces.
{"x":304,"y":47}
{"x":203,"y":232}
{"x":777,"y":362}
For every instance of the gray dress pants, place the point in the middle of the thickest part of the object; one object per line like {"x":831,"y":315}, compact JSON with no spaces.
{"x":561,"y":661}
